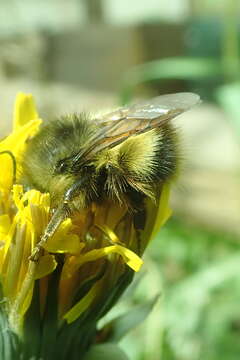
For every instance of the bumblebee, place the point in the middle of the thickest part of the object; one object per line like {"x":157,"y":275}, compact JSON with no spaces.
{"x":110,"y":171}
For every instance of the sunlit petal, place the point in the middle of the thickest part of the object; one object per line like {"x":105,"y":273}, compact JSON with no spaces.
{"x":24,"y":110}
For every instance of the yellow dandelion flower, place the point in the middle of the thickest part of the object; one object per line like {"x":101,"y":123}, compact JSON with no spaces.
{"x":79,"y":276}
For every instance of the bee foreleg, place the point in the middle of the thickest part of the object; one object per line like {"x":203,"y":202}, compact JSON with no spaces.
{"x":58,"y":217}
{"x":61,"y":213}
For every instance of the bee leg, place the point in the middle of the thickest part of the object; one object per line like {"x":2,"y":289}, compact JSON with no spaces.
{"x":58,"y":217}
{"x":36,"y":253}
{"x":61,"y":213}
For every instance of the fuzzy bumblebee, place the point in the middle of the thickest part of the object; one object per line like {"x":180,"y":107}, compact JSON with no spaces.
{"x":109,"y":171}
{"x":80,"y":198}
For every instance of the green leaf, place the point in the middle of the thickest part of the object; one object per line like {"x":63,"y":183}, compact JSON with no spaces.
{"x":180,"y":68}
{"x":192,"y":299}
{"x":105,"y":352}
{"x":116,"y":292}
{"x":228,"y":96}
{"x":121,"y":325}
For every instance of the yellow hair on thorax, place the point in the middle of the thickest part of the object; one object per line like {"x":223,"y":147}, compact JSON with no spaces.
{"x":137,"y":154}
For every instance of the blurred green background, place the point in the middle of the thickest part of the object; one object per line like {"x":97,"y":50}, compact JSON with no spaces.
{"x":94,"y":55}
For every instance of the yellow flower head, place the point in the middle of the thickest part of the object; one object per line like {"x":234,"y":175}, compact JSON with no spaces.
{"x":88,"y":273}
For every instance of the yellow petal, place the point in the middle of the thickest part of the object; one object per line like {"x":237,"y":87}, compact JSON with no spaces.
{"x":17,"y":195}
{"x":63,"y":241}
{"x":27,"y":301}
{"x":15,"y":143}
{"x":24,"y":110}
{"x":23,"y":298}
{"x":7,"y":168}
{"x":14,"y":260}
{"x":83,"y":304}
{"x":130,"y":258}
{"x":164,"y":212}
{"x":8,"y":240}
{"x":16,"y":140}
{"x":111,"y":234}
{"x":68,"y":244}
{"x":74,"y":263}
{"x":26,"y":124}
{"x":46,"y":265}
{"x":5,"y":225}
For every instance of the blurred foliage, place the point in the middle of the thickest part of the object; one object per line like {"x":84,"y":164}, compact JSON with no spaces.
{"x":105,"y":352}
{"x":212,"y":69}
{"x":202,"y":71}
{"x":201,"y":271}
{"x":180,"y":68}
{"x":228,"y":96}
{"x":198,"y":317}
{"x":195,"y":270}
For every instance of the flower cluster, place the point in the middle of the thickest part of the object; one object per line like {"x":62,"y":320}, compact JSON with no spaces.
{"x":79,"y":276}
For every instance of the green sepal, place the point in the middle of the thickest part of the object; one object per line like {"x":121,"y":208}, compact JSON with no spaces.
{"x":32,"y":327}
{"x":121,"y":325}
{"x":10,"y":346}
{"x":79,"y":335}
{"x":105,"y":352}
{"x":75,"y":334}
{"x":89,"y":282}
{"x":110,"y":299}
{"x":50,"y":318}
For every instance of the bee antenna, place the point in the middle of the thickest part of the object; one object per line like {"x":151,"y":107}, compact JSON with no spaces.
{"x":13,"y":162}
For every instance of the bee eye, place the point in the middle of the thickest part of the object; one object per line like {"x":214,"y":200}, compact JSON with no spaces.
{"x":61,"y":167}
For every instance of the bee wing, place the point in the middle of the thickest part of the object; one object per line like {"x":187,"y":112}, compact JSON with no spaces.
{"x":155,"y":108}
{"x":119,"y":125}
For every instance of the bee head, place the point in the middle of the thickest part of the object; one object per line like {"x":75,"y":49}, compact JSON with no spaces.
{"x":69,"y":182}
{"x":62,"y":167}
